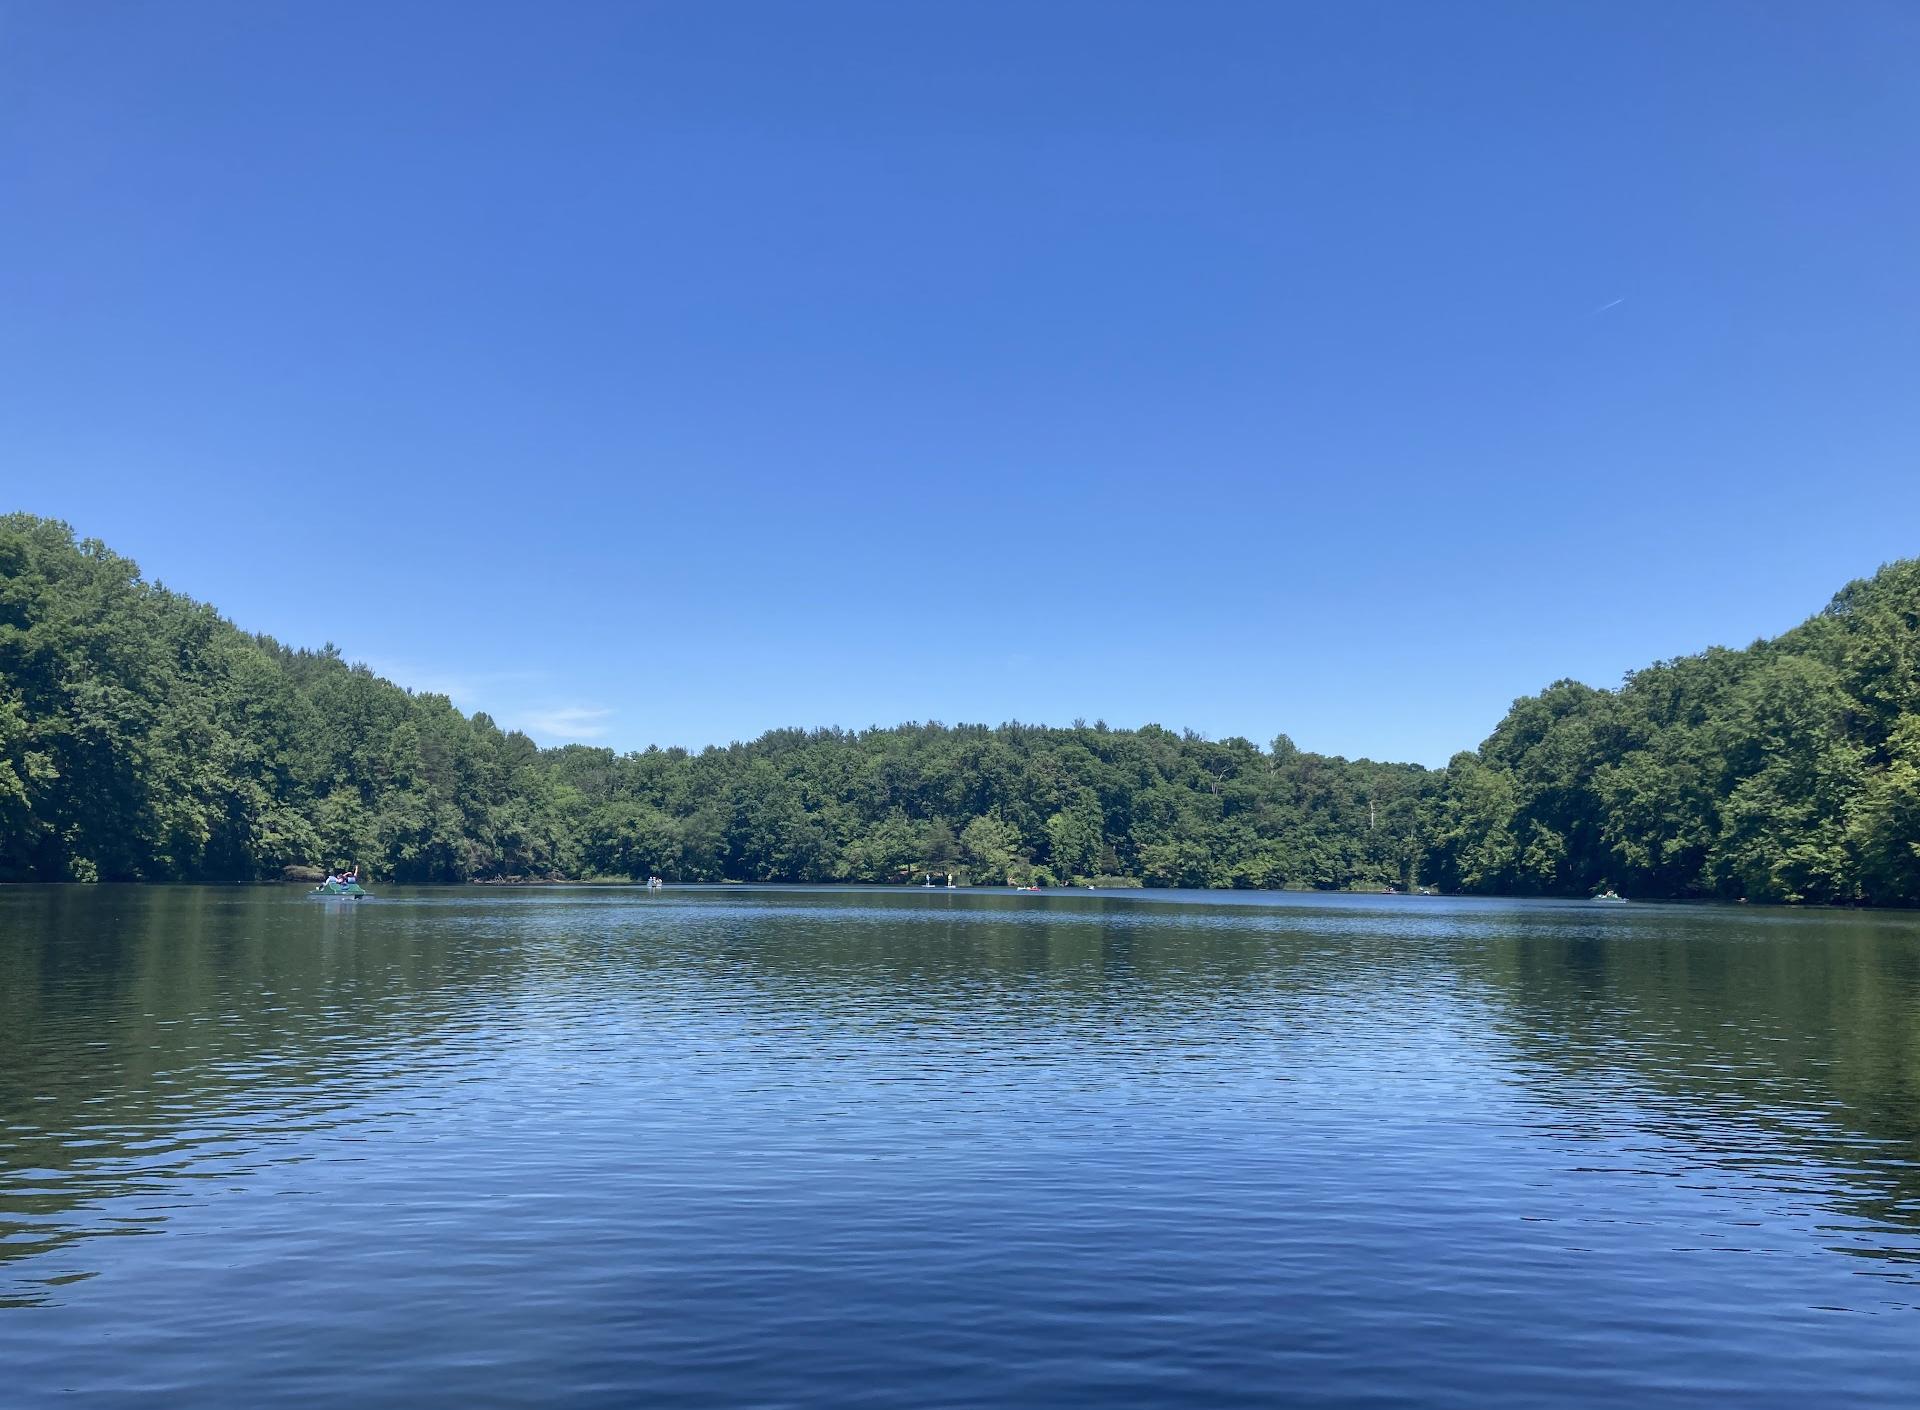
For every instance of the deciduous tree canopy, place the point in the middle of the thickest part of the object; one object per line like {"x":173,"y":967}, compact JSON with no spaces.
{"x":143,"y":737}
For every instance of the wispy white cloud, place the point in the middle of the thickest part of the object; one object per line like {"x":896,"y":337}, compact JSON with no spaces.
{"x":503,"y":695}
{"x":566,"y":722}
{"x":475,"y":691}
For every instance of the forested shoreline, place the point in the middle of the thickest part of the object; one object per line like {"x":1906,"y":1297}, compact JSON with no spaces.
{"x":145,"y":738}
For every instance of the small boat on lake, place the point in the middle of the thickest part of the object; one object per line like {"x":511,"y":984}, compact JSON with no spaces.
{"x":1610,"y":895}
{"x":334,"y":889}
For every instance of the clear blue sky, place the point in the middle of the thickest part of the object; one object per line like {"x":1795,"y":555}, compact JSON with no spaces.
{"x":665,"y":373}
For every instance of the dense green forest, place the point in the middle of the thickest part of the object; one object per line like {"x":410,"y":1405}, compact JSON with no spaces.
{"x":143,"y":737}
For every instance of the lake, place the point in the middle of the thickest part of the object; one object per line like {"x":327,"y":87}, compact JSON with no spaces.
{"x":741,"y":1146}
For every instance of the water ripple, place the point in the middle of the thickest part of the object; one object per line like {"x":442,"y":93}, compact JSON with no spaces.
{"x":853,"y":1148}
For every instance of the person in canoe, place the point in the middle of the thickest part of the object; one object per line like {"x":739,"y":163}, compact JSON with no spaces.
{"x":343,"y":882}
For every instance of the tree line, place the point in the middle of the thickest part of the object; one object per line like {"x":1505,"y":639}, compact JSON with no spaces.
{"x":143,"y":737}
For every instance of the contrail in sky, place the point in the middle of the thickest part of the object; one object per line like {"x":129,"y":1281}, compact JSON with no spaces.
{"x":1604,"y":307}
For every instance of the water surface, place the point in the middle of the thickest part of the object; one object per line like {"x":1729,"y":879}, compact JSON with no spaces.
{"x":784,"y":1147}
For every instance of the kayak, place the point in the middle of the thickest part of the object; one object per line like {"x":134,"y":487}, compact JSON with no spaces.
{"x":338,"y":891}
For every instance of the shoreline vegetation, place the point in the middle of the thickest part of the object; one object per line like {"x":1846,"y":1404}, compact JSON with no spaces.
{"x":145,"y":738}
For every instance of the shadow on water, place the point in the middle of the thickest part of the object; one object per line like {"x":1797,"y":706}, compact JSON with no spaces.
{"x":1780,"y":1050}
{"x":151,"y":1038}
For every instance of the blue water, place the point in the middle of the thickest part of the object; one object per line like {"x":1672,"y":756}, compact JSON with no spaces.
{"x":806,"y":1147}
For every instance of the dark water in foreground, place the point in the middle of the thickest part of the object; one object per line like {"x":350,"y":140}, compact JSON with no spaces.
{"x":838,"y":1148}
